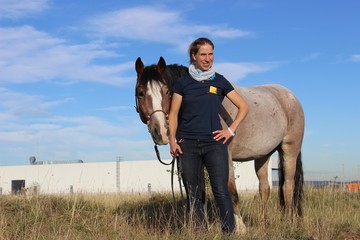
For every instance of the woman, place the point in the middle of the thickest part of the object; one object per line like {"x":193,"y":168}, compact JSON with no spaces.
{"x":196,"y":134}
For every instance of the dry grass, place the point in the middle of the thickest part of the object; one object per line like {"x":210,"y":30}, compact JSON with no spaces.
{"x":328,"y":214}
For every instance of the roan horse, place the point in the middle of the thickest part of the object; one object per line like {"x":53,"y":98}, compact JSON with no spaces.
{"x":275,"y":122}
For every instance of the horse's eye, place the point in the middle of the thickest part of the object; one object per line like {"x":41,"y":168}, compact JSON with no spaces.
{"x":168,"y":92}
{"x":140,"y":94}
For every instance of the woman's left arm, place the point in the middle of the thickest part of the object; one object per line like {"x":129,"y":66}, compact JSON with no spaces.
{"x":243,"y":109}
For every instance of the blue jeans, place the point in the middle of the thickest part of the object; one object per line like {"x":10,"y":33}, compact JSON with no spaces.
{"x":214,"y":156}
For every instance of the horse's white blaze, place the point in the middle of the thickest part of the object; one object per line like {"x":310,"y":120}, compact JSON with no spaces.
{"x":154,"y":91}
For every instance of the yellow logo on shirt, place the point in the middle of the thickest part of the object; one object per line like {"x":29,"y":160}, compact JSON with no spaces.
{"x":213,"y":90}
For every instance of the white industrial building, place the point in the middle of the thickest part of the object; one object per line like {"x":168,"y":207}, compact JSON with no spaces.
{"x":103,"y":177}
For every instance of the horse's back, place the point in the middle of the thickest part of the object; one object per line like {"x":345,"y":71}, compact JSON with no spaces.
{"x":274,"y":115}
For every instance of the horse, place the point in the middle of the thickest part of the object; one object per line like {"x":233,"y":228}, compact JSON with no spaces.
{"x":275,"y":122}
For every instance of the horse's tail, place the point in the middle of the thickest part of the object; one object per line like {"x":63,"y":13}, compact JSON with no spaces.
{"x":298,"y":188}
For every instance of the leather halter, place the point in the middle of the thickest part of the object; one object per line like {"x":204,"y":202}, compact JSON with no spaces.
{"x":158,"y":110}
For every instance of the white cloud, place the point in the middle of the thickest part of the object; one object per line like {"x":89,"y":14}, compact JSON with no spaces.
{"x":19,"y":8}
{"x":88,"y":138}
{"x":355,"y":58}
{"x":16,"y":107}
{"x":237,"y":71}
{"x":156,"y":25}
{"x":11,"y":100}
{"x":28,"y":55}
{"x":311,"y":57}
{"x":53,"y":137}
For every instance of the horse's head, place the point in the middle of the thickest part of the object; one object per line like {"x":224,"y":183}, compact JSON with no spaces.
{"x":152,"y":95}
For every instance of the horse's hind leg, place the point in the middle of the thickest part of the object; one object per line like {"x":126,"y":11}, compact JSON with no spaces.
{"x":291,"y":181}
{"x":261,"y":168}
{"x":240,"y":226}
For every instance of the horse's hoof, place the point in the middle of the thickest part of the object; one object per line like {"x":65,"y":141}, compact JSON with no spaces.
{"x":240,"y":226}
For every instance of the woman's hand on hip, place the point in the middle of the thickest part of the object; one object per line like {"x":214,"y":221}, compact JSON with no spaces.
{"x":222,"y":134}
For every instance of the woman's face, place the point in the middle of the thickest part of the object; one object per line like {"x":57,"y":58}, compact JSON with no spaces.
{"x":204,"y":58}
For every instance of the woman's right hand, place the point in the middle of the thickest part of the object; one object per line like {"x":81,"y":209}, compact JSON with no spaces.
{"x":175,"y":149}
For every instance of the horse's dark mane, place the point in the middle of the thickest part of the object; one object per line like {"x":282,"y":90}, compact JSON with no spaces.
{"x":171,"y":74}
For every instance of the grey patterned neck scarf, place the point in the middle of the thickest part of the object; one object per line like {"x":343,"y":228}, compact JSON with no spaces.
{"x":199,"y":75}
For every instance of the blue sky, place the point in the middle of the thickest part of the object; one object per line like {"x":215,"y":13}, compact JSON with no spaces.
{"x":67,"y":72}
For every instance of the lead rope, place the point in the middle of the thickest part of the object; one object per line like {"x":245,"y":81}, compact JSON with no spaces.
{"x":159,"y":158}
{"x":179,"y":169}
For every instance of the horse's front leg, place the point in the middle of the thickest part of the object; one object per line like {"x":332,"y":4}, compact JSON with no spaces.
{"x":240,"y":226}
{"x":261,"y":168}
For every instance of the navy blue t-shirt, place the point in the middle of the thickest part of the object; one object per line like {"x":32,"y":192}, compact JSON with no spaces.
{"x":199,"y":113}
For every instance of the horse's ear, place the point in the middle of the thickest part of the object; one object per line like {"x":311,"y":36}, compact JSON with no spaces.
{"x":139,"y":66}
{"x":161,"y":65}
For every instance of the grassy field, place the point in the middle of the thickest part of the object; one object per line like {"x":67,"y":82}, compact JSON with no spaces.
{"x":328,"y":214}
